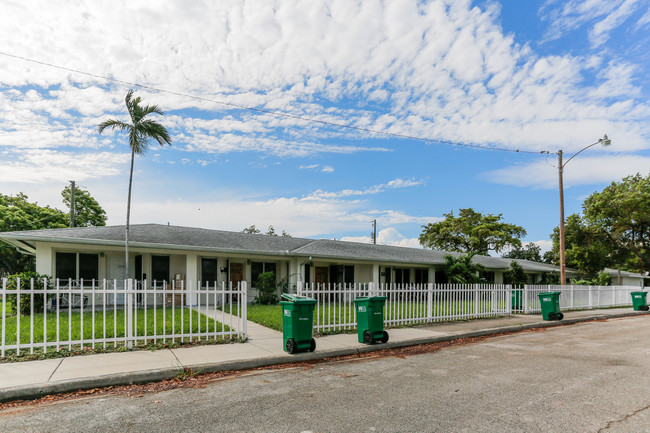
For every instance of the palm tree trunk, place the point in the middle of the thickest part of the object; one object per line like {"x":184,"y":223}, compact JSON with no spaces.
{"x":128,"y":216}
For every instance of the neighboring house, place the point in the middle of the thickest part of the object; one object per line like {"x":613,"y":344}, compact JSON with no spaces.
{"x":183,"y":254}
{"x":625,"y":278}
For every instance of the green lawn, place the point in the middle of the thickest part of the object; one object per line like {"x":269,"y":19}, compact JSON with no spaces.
{"x":115,"y":324}
{"x":271,"y":315}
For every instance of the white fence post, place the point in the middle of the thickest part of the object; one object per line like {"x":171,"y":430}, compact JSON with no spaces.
{"x":244,"y":310}
{"x":129,"y":313}
{"x":430,"y":302}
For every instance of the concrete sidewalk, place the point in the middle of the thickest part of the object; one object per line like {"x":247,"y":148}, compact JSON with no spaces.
{"x":25,"y":380}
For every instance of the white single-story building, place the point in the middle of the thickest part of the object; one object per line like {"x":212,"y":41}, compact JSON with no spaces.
{"x":184,"y":254}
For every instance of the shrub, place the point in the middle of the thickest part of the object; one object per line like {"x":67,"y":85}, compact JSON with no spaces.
{"x":515,"y":275}
{"x":26,"y":298}
{"x":266,"y":289}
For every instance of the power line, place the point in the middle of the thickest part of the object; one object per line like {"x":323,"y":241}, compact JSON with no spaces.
{"x":275,"y":113}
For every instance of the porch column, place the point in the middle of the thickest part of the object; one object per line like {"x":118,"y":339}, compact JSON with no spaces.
{"x":375,"y":277}
{"x":44,"y":259}
{"x":294,"y":275}
{"x":432,"y":274}
{"x":191,"y":278}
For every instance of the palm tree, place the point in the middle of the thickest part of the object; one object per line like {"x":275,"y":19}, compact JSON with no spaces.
{"x":140,"y":131}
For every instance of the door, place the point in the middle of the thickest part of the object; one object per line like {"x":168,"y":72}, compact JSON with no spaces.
{"x":116,"y":268}
{"x":236,"y":273}
{"x":320,"y":275}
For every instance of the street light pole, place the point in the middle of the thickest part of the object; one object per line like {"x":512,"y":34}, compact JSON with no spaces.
{"x":605,"y":141}
{"x":562,"y":258}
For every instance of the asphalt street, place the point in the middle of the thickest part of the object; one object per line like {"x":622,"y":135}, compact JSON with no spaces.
{"x":590,"y":377}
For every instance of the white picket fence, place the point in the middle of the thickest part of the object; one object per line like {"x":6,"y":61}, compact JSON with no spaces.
{"x":77,"y":314}
{"x":74,"y":315}
{"x":406,"y":304}
{"x":575,"y":297}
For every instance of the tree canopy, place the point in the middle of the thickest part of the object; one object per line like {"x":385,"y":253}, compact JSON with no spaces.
{"x":471,"y":232}
{"x":530,"y":252}
{"x":88,"y":212}
{"x":621,"y":213}
{"x":270,"y":232}
{"x":17,"y":213}
{"x":462,"y":270}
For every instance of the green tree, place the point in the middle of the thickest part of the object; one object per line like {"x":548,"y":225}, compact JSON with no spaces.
{"x":266,"y":289}
{"x":515,"y":275}
{"x":621,"y":213}
{"x":140,"y":131}
{"x":471,"y":232}
{"x":530,"y":252}
{"x":462,"y":270}
{"x":251,"y":230}
{"x":88,"y":212}
{"x":17,"y":213}
{"x":586,"y":249}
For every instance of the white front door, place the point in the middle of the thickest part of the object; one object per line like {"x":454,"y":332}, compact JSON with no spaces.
{"x":116,"y":268}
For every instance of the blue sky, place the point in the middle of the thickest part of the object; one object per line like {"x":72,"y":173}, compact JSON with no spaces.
{"x":534,"y":76}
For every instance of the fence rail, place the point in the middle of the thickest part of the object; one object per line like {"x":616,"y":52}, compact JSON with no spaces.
{"x":574,"y":297}
{"x":406,"y":304}
{"x":53,"y":315}
{"x":41,"y":315}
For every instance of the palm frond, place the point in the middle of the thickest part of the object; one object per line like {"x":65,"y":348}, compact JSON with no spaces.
{"x":113,"y":124}
{"x":153,"y":129}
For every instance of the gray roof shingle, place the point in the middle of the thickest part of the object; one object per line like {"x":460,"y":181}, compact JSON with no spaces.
{"x":162,"y":236}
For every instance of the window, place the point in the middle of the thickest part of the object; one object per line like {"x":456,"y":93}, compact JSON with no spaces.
{"x":258,"y":268}
{"x":402,"y":276}
{"x":77,"y":266}
{"x":307,"y":274}
{"x":487,"y":276}
{"x":342,"y":274}
{"x":441,"y":277}
{"x":209,"y":271}
{"x":159,"y":269}
{"x":421,"y":276}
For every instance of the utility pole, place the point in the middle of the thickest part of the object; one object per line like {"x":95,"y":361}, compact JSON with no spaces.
{"x":72,"y":190}
{"x":562,"y":258}
{"x":374,"y":232}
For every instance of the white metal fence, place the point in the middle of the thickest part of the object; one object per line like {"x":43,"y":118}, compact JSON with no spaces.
{"x":54,"y":315}
{"x":406,"y":304}
{"x":51,"y":315}
{"x":573,"y":297}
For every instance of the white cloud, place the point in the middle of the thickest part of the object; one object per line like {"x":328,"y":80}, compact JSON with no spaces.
{"x":374,"y":189}
{"x":441,"y":69}
{"x":328,"y":169}
{"x":387,"y":236}
{"x":605,"y":16}
{"x":580,"y":171}
{"x":46,"y":166}
{"x":308,"y":167}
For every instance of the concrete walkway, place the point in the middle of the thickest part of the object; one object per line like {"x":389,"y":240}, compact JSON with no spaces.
{"x":24,"y":380}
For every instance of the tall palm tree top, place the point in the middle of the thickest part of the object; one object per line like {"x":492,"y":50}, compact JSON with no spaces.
{"x":140,"y":129}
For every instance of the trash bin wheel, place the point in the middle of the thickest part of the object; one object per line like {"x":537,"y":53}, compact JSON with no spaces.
{"x":644,"y":308}
{"x":559,"y":316}
{"x":291,"y":345}
{"x":312,"y":345}
{"x":367,"y":337}
{"x":552,"y":316}
{"x":384,"y":338}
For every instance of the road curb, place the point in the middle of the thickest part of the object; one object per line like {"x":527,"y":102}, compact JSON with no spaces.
{"x":28,"y":392}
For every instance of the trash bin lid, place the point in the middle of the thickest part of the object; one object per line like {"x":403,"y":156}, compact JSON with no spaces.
{"x":297,"y":298}
{"x":370,"y":298}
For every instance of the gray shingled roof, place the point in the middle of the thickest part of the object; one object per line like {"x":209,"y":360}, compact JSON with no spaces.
{"x":175,"y":237}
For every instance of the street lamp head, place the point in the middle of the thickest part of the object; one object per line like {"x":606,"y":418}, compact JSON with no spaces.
{"x":605,"y":141}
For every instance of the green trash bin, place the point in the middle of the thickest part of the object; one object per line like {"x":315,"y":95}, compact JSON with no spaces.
{"x":550,"y":302}
{"x":297,"y":323}
{"x":517,"y":296}
{"x":639,"y":301}
{"x":370,"y":319}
